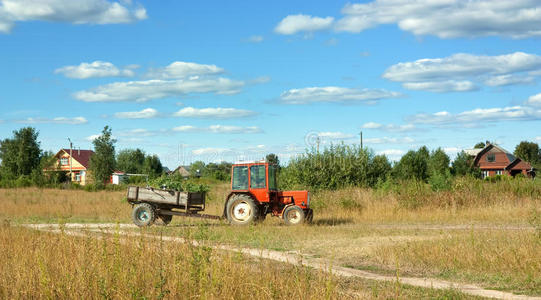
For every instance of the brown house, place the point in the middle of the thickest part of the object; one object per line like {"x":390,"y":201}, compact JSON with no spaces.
{"x":79,"y":162}
{"x":494,"y":160}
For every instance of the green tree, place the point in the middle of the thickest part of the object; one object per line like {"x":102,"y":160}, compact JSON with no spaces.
{"x":463,"y":165}
{"x":479,"y":145}
{"x":413,"y":165}
{"x":438,"y":163}
{"x":102,"y":163}
{"x":272,"y":159}
{"x":21,"y":154}
{"x":152,"y":166}
{"x":130,"y":161}
{"x":529,"y":152}
{"x":197,"y":168}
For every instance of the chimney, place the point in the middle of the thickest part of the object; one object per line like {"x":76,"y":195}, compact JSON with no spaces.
{"x":79,"y":151}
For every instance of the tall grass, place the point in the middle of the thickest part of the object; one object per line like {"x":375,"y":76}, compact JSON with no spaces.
{"x":44,"y":265}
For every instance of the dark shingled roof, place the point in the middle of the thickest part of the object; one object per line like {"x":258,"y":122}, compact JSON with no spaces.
{"x":82,"y":156}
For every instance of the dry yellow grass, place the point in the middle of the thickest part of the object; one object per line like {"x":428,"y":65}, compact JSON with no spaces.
{"x":353,"y":227}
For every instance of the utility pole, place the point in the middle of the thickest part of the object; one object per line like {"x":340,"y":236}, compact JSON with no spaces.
{"x":361,"y":139}
{"x":71,"y":159}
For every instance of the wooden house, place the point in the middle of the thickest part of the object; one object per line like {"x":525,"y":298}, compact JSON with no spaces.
{"x":494,"y":160}
{"x":79,"y":162}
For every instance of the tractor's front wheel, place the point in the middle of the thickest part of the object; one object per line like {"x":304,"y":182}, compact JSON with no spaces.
{"x":241,"y":210}
{"x":293,"y":215}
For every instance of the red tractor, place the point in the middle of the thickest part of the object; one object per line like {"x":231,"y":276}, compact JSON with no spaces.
{"x":254,"y":194}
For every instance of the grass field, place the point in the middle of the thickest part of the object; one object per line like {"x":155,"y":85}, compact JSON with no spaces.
{"x":490,"y":242}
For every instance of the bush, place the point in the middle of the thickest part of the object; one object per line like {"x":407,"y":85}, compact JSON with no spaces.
{"x":336,"y":167}
{"x":176,"y":182}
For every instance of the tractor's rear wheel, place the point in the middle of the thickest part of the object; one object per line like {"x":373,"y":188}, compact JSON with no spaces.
{"x":293,"y":215}
{"x":143,"y":214}
{"x":241,"y":210}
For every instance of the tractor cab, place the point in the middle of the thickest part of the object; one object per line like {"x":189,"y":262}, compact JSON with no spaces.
{"x":254,"y":194}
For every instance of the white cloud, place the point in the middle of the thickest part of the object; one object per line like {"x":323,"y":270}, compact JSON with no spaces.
{"x":95,"y":69}
{"x":211,"y":151}
{"x":538,"y":138}
{"x":447,"y":18}
{"x":146,"y":113}
{"x":302,"y":23}
{"x":141,"y":91}
{"x":335,"y":135}
{"x":255,"y":39}
{"x":218,"y":129}
{"x":389,"y":127}
{"x":140,"y":132}
{"x":456,"y":72}
{"x":534,"y":100}
{"x":335,"y":94}
{"x":75,"y":12}
{"x":57,"y":120}
{"x":92,"y":137}
{"x":388,"y":140}
{"x":394,"y":154}
{"x":503,"y":80}
{"x":476,"y":116}
{"x":181,"y":69}
{"x":441,"y":86}
{"x":214,"y":113}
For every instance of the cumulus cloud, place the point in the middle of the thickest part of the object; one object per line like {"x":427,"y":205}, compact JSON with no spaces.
{"x":503,"y":80}
{"x":75,"y":12}
{"x":181,"y":69}
{"x":146,"y":113}
{"x":57,"y":120}
{"x":91,"y":138}
{"x":335,"y":94}
{"x":441,"y":86}
{"x":214,"y":113}
{"x":141,"y":91}
{"x":476,"y":116}
{"x":389,"y":127}
{"x":218,"y":129}
{"x":448,"y":18}
{"x":389,"y":140}
{"x":534,"y":100}
{"x":458,"y":71}
{"x":95,"y":69}
{"x":303,"y":23}
{"x":394,"y":154}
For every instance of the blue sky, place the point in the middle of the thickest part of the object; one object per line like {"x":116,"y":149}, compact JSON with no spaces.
{"x":235,"y":80}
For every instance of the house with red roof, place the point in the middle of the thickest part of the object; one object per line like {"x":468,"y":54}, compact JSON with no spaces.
{"x":76,"y":162}
{"x":494,"y":160}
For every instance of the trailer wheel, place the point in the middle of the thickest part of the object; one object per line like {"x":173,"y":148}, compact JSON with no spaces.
{"x":143,"y":214}
{"x":293,"y":215}
{"x":241,"y":210}
{"x":166,"y":219}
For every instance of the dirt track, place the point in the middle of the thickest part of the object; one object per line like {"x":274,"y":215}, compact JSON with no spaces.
{"x":76,"y":229}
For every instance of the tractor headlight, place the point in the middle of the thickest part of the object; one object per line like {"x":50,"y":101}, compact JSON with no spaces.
{"x":308,"y":200}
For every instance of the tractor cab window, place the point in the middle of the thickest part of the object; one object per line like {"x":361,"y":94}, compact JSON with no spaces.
{"x":240,"y":178}
{"x":257,"y":177}
{"x":272,"y":177}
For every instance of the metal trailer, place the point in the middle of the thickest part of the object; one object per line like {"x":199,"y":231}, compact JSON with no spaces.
{"x":150,"y":204}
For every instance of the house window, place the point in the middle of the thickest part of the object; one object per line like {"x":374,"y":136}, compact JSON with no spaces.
{"x":491,"y":157}
{"x":64,"y":161}
{"x":77,"y":177}
{"x":485,"y":174}
{"x":499,"y":172}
